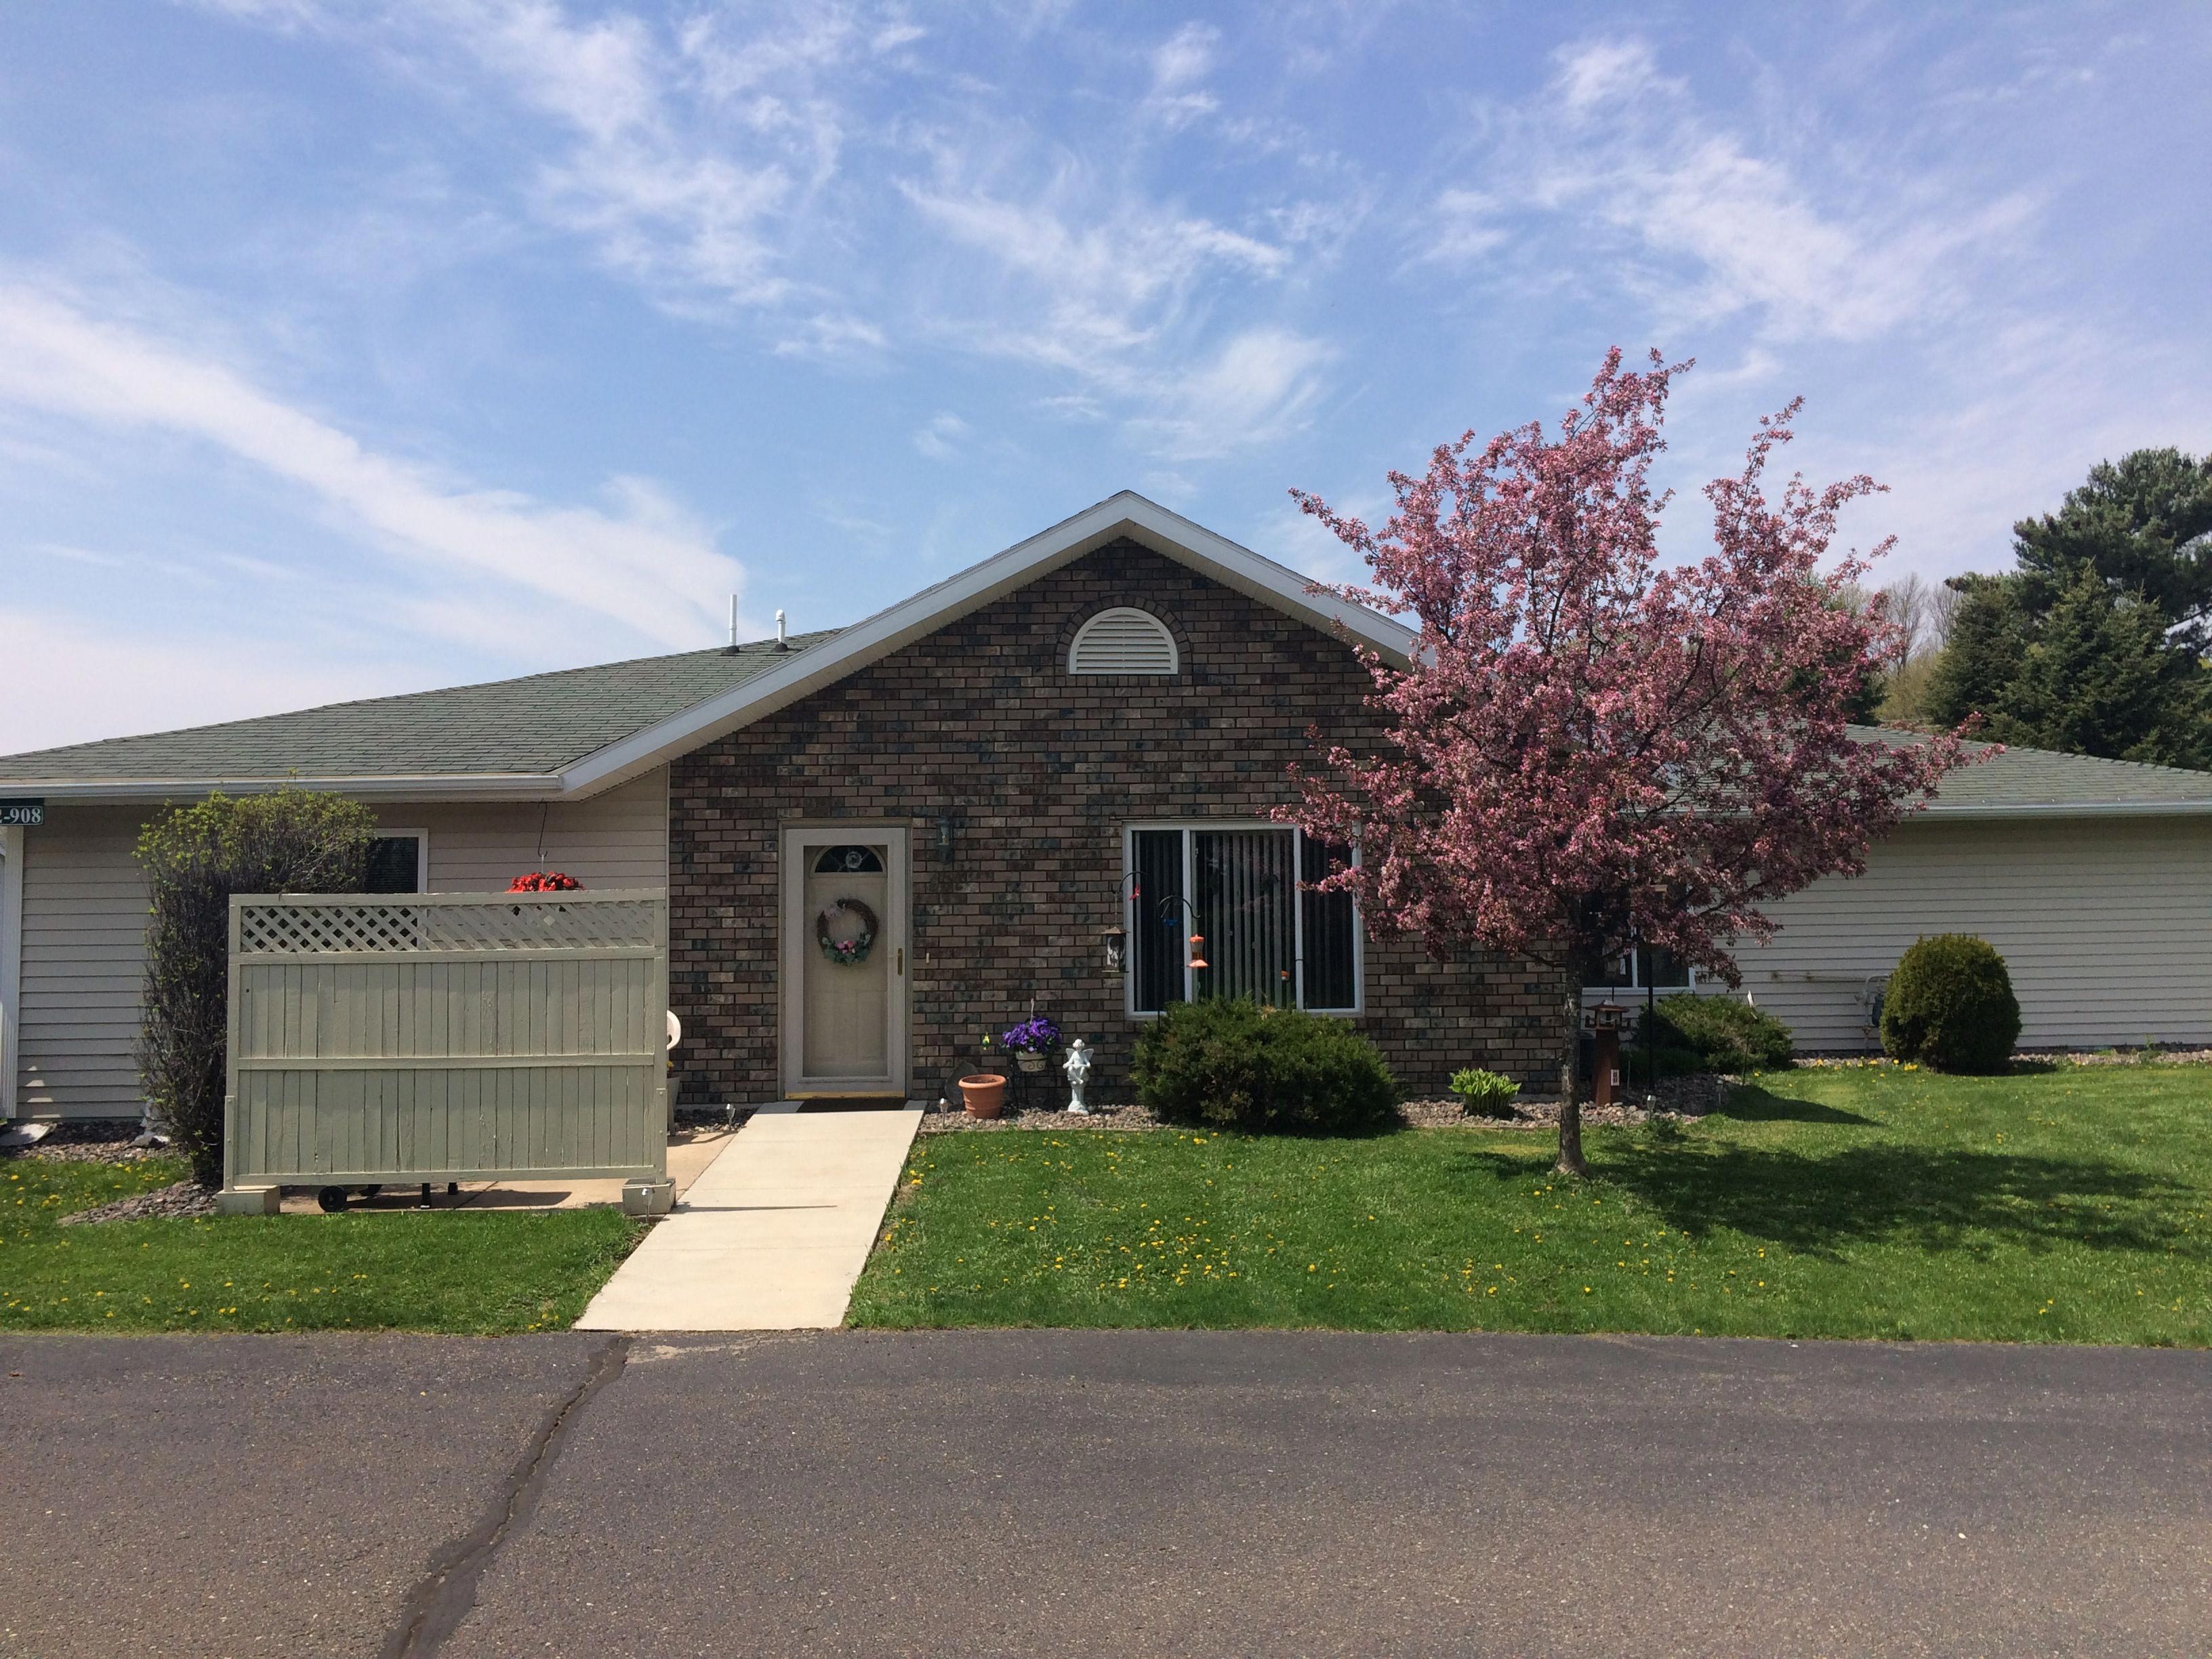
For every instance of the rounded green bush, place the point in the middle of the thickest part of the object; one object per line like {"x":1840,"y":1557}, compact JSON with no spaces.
{"x":1725,"y":1034}
{"x":1234,"y":1065}
{"x":1949,"y":1007}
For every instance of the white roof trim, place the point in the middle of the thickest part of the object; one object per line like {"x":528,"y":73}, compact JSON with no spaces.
{"x":429,"y":786}
{"x":1124,"y":514}
{"x":1938,"y":808}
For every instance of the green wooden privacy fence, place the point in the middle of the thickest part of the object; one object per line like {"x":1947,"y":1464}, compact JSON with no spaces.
{"x":447,"y":1037}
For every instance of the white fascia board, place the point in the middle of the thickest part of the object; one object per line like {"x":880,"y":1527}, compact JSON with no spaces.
{"x":1124,"y":515}
{"x":138,"y":792}
{"x":2094,"y":809}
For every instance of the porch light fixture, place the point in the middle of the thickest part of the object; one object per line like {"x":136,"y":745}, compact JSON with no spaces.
{"x":945,"y":837}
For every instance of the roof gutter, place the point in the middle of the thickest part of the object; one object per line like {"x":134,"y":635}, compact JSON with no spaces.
{"x":143,"y":792}
{"x":2093,"y":809}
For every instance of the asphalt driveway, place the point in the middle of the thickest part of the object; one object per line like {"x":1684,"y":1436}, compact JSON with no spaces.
{"x":1023,"y":1493}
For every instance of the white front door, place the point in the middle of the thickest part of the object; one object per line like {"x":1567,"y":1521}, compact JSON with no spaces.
{"x":844,"y":960}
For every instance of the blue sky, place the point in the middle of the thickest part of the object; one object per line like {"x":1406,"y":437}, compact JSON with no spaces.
{"x":349,"y":347}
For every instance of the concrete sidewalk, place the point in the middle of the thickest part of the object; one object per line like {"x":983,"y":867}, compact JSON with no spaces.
{"x":772,"y":1236}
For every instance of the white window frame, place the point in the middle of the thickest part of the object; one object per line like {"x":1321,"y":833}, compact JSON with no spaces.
{"x":1075,"y":645}
{"x":1190,"y":829}
{"x":401,"y":832}
{"x":1635,"y":982}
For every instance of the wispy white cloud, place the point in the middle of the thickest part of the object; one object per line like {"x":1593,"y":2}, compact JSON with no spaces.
{"x":940,"y":440}
{"x":1180,"y":65}
{"x":639,"y":560}
{"x":1259,"y":385}
{"x":1109,"y":287}
{"x":1621,"y":160}
{"x":685,"y":155}
{"x":705,"y":160}
{"x":76,"y":680}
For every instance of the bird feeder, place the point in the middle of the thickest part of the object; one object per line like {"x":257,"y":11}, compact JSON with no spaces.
{"x":1605,"y":1068}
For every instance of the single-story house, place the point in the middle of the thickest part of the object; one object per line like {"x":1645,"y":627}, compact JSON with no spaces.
{"x":1024,"y":788}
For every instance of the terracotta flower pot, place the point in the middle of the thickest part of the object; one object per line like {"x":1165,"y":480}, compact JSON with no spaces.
{"x":984,"y":1093}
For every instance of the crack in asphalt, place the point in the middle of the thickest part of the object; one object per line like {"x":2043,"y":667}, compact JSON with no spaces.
{"x":444,"y":1595}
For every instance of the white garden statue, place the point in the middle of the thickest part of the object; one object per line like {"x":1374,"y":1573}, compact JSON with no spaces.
{"x":1078,"y":1067}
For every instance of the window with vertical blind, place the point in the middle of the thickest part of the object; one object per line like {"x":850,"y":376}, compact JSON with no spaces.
{"x":1238,"y":887}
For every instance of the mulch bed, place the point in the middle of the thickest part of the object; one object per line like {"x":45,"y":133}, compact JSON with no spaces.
{"x":178,"y":1198}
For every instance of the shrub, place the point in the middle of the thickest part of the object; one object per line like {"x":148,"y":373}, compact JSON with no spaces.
{"x":1949,"y":1005}
{"x":1485,"y":1094}
{"x":195,"y":858}
{"x":1726,"y":1034}
{"x":1235,"y":1065}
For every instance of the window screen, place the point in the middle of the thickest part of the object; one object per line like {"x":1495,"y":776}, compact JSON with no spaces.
{"x":1263,"y":938}
{"x":395,"y":865}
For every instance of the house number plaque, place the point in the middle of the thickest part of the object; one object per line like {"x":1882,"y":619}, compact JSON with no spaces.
{"x":25,"y":814}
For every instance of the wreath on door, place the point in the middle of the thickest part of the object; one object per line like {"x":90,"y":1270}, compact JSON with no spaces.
{"x":851,"y":946}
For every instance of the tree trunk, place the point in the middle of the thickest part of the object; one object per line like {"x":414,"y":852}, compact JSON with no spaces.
{"x":1571,"y":1106}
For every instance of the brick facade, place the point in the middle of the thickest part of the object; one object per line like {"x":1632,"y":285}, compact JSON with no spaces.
{"x":1038,"y":771}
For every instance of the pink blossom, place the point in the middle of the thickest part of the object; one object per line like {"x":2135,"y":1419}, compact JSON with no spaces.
{"x":1591,"y":749}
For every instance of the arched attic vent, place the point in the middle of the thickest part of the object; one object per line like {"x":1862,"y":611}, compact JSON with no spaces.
{"x":1123,"y":641}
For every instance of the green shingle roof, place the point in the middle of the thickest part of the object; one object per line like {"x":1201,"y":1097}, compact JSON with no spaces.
{"x":543,"y":722}
{"x":534,"y":725}
{"x":2027,"y":778}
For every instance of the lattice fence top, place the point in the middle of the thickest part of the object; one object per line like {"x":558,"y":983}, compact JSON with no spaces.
{"x":304,"y":927}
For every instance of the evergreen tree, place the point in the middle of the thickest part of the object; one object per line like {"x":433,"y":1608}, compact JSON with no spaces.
{"x":2095,"y":645}
{"x":1988,"y":640}
{"x":2101,"y":679}
{"x":2144,"y":524}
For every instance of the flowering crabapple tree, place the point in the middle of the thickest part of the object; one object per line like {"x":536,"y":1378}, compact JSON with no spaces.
{"x":1589,"y":751}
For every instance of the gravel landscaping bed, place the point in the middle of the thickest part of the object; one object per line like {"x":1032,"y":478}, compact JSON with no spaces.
{"x":1680,"y":1097}
{"x":2126,"y":1057}
{"x":178,"y":1198}
{"x":90,"y":1140}
{"x":936,"y":1121}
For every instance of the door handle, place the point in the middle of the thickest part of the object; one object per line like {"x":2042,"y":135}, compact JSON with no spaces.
{"x":898,"y":962}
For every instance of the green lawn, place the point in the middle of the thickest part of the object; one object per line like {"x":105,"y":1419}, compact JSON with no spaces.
{"x":455,"y":1270}
{"x":2070,"y":1205}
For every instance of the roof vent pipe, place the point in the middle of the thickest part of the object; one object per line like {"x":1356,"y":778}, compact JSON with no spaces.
{"x":731,"y":649}
{"x":781,"y":643}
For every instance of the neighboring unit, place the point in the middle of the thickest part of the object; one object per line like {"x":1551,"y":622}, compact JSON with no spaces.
{"x":880,"y":844}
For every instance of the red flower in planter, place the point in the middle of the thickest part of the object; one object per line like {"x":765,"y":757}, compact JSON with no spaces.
{"x":545,"y":881}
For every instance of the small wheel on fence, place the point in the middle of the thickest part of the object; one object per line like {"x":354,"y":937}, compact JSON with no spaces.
{"x":332,"y":1200}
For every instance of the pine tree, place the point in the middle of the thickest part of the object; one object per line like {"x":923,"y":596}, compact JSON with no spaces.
{"x":2144,"y":524}
{"x":1988,"y":641}
{"x":2101,"y":679}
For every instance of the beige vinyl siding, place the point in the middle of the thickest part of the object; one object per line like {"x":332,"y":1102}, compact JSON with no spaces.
{"x":84,"y":920}
{"x":619,"y":839}
{"x":84,"y":916}
{"x":2105,"y":924}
